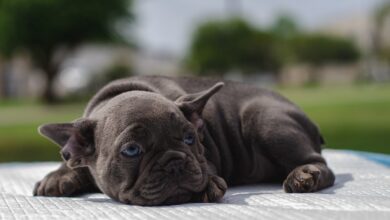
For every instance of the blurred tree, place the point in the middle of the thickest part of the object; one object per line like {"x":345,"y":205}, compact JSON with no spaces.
{"x":97,"y":80}
{"x":285,"y":27}
{"x":48,"y":29}
{"x":221,"y":46}
{"x":318,"y":49}
{"x":381,"y":13}
{"x":116,"y":71}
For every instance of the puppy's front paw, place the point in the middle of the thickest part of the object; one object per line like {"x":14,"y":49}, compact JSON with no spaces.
{"x":302,"y":179}
{"x":58,"y":183}
{"x":215,"y":189}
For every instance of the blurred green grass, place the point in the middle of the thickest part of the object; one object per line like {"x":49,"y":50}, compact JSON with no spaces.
{"x":19,"y":139}
{"x":350,"y":117}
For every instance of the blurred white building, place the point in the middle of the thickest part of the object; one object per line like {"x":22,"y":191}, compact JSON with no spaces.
{"x":91,"y":60}
{"x":19,"y":78}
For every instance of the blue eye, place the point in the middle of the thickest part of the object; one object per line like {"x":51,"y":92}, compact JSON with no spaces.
{"x":132,"y":150}
{"x":189,"y":139}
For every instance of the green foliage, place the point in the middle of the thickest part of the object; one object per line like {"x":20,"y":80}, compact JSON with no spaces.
{"x":312,"y":48}
{"x":220,"y":46}
{"x":381,"y":13}
{"x":114,"y":72}
{"x":385,"y":54}
{"x":285,"y":27}
{"x":41,"y":25}
{"x":318,"y":49}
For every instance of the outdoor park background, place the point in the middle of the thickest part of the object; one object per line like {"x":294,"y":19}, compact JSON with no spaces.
{"x":332,"y":58}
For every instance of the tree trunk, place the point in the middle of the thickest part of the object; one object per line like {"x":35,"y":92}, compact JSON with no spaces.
{"x":314,"y":75}
{"x":50,"y":59}
{"x":49,"y":95}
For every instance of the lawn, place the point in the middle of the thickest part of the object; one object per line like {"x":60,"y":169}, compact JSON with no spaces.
{"x":354,"y":117}
{"x":19,"y":139}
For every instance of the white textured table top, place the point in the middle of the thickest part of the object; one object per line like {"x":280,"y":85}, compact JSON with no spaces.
{"x":362,"y":191}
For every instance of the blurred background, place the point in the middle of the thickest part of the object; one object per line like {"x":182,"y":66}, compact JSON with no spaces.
{"x":331,"y":57}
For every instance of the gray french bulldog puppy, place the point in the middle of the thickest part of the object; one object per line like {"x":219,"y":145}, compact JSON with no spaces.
{"x":154,"y":140}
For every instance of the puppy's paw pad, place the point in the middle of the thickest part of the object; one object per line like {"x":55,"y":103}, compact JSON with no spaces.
{"x":301,"y":180}
{"x":215,"y":190}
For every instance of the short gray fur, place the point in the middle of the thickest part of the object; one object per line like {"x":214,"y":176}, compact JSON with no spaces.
{"x":243,"y":135}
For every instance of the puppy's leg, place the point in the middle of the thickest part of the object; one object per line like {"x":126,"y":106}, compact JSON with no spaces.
{"x":291,"y":141}
{"x":309,"y":178}
{"x":215,"y":187}
{"x":215,"y":190}
{"x":65,"y":182}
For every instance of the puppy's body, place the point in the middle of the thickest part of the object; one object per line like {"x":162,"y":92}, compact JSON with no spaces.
{"x":243,"y":124}
{"x":249,"y":135}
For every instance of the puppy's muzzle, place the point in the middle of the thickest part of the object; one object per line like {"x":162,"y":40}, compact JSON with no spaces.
{"x":172,"y":179}
{"x":173,"y":162}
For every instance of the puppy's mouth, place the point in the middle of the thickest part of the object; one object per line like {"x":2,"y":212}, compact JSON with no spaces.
{"x":181,"y":196}
{"x":173,"y":179}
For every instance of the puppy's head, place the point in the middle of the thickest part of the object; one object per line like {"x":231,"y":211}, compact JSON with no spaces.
{"x":140,"y":147}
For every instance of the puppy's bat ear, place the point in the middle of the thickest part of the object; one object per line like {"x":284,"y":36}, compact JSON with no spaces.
{"x":57,"y":133}
{"x":195,"y":102}
{"x":75,"y":139}
{"x":192,"y":105}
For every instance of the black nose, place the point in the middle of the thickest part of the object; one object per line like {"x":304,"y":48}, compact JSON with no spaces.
{"x":65,"y":155}
{"x":173,"y":162}
{"x":175,"y":167}
{"x":171,"y":155}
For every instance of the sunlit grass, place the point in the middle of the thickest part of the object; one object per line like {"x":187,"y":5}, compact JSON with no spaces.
{"x":19,"y":139}
{"x":352,"y":117}
{"x":355,"y":117}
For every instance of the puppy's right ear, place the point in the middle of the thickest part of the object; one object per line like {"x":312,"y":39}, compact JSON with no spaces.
{"x":57,"y":133}
{"x":75,"y":139}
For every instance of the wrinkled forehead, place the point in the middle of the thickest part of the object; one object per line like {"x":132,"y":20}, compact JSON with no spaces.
{"x":145,"y":108}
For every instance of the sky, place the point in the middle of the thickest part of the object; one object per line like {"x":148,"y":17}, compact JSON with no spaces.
{"x":166,"y":25}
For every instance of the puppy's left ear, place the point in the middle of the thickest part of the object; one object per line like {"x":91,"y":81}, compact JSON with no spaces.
{"x":192,"y":105}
